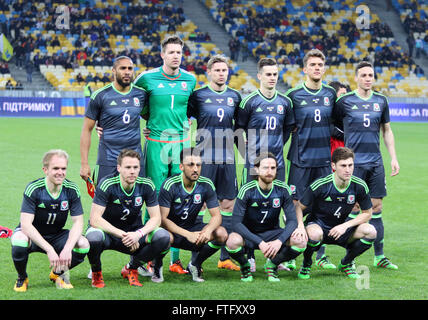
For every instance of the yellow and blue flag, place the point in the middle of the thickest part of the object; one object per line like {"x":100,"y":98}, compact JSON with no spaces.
{"x":5,"y":48}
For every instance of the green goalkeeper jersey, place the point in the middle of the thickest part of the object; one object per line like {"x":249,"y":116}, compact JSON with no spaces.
{"x":167,"y":103}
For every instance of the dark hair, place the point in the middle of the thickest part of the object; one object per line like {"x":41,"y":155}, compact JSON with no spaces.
{"x":342,"y":153}
{"x":127,"y":153}
{"x":172,"y":39}
{"x":116,"y":60}
{"x":363,"y":64}
{"x":265,"y":62}
{"x":189,"y":152}
{"x":262,"y":156}
{"x":337,"y":85}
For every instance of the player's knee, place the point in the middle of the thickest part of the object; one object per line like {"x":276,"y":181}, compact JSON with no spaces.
{"x":314,"y":232}
{"x":162,"y":238}
{"x":19,"y":236}
{"x":377,"y":206}
{"x":82,"y":243}
{"x":299,"y":243}
{"x":234,"y":241}
{"x":95,"y":237}
{"x":221,"y":234}
{"x":368,"y":231}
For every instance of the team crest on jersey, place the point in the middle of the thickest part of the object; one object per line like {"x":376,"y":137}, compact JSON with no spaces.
{"x":326,"y":101}
{"x":138,"y":201}
{"x":293,"y":189}
{"x":136,"y":102}
{"x":64,"y":205}
{"x":197,"y":198}
{"x":280,"y":109}
{"x":376,"y":107}
{"x":230,"y":101}
{"x":184,"y":86}
{"x":276,"y":203}
{"x":351,"y":199}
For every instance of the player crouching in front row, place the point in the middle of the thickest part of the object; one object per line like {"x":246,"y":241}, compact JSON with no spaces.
{"x":256,"y":221}
{"x":116,"y":221}
{"x":181,"y":198}
{"x":332,"y":198}
{"x":44,"y":211}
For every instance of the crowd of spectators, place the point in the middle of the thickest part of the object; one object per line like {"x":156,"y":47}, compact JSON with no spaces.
{"x":89,"y":31}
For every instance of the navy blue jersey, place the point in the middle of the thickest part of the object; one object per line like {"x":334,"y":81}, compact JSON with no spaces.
{"x":265,"y":121}
{"x":122,"y":209}
{"x":256,"y":211}
{"x":50,"y":213}
{"x":362,"y":119}
{"x":310,"y":143}
{"x":331,"y":205}
{"x":185,"y":206}
{"x":119,"y":116}
{"x":215,"y":113}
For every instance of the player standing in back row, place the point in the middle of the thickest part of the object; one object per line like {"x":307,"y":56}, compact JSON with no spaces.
{"x":365,"y":113}
{"x":169,"y":88}
{"x":117,"y":108}
{"x":215,"y":106}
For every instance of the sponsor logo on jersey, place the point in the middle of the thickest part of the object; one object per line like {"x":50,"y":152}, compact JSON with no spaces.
{"x":230,"y":101}
{"x":220,"y":101}
{"x":136,"y":102}
{"x":138,"y":201}
{"x":208,"y":100}
{"x":328,"y":199}
{"x":354,"y":107}
{"x":315,"y":100}
{"x":280,"y":109}
{"x":197,"y":198}
{"x":125,"y":101}
{"x":351,"y":199}
{"x":276,"y":203}
{"x":259,"y":109}
{"x":161,"y":85}
{"x":304,"y":103}
{"x":64,"y":205}
{"x":113,"y":103}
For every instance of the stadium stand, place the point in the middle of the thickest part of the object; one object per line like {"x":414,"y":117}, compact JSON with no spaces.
{"x":70,"y":58}
{"x":285,"y":31}
{"x":82,"y":54}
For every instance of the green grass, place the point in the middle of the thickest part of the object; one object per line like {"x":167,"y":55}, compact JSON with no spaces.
{"x":23,"y":142}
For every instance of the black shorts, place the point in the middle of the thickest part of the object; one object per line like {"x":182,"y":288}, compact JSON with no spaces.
{"x":300,"y":178}
{"x":224,"y":178}
{"x":375,"y":179}
{"x":180,"y":242}
{"x":269,"y":235}
{"x":56,"y":240}
{"x":326,"y":239}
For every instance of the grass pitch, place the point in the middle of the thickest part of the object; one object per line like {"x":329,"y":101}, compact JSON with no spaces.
{"x":23,"y":142}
